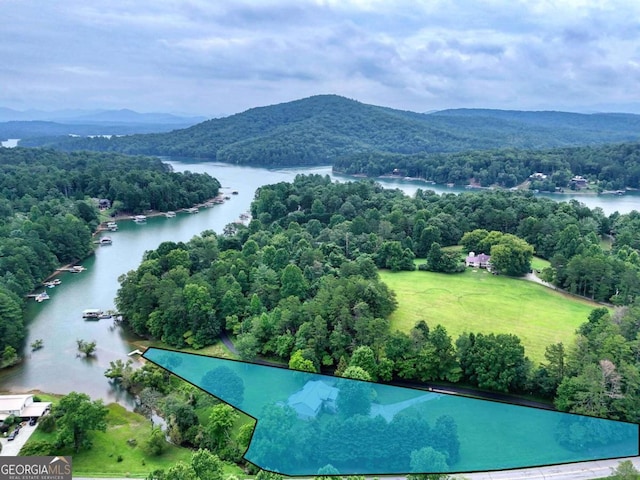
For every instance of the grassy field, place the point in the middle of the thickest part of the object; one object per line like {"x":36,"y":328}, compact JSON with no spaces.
{"x":123,"y":428}
{"x":476,"y":301}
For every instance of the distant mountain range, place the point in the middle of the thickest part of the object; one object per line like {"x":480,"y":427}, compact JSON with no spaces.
{"x":35,"y":123}
{"x":319,"y":129}
{"x":113,"y":117}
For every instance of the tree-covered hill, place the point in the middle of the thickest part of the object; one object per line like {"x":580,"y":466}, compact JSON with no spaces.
{"x":319,"y":129}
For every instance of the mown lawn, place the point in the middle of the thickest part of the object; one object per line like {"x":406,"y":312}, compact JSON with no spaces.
{"x":476,"y":301}
{"x":124,"y":429}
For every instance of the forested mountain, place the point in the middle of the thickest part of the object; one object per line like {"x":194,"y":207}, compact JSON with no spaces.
{"x":319,"y":129}
{"x":48,"y":210}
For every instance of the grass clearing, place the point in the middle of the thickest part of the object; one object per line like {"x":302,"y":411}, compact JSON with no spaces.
{"x":218,"y":349}
{"x":539,"y":264}
{"x":126,"y":432}
{"x":476,"y":301}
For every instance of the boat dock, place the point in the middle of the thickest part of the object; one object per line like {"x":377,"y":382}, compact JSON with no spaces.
{"x":73,"y":269}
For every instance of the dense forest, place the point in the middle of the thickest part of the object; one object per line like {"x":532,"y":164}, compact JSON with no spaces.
{"x":49,"y":209}
{"x":612,"y":167}
{"x":321,"y":129}
{"x":300,"y":284}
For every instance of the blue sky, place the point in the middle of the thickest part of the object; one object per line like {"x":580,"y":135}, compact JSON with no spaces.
{"x":218,"y":57}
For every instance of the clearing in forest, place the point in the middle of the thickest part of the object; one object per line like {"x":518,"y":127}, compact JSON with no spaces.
{"x":479,"y":302}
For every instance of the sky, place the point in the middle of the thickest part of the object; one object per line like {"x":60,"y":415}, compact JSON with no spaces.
{"x":219,"y":57}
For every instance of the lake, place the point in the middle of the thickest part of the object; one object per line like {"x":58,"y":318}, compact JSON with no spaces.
{"x":58,"y":321}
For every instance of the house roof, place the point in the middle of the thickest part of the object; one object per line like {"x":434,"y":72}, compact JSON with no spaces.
{"x":12,"y":403}
{"x":482,"y":258}
{"x":309,"y":400}
{"x":23,"y":404}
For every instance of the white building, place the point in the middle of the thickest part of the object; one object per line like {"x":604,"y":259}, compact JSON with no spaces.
{"x":21,"y":406}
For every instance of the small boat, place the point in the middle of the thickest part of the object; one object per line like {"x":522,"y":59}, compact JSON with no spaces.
{"x":244,"y":216}
{"x":218,"y":200}
{"x":227,"y":197}
{"x":52,"y":283}
{"x":106,"y":241}
{"x":235,"y":192}
{"x":92,"y":314}
{"x":113,"y":226}
{"x":192,"y":210}
{"x":140,"y":218}
{"x":41,"y":297}
{"x":77,"y":269}
{"x":170,"y":214}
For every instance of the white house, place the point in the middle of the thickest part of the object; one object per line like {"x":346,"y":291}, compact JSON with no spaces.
{"x":478,"y":261}
{"x":314,"y":396}
{"x":21,"y":406}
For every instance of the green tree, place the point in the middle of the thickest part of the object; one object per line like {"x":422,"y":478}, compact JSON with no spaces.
{"x":88,"y":348}
{"x":9,"y":355}
{"x":364,"y":358}
{"x":298,"y":362}
{"x":428,"y":460}
{"x":493,"y":361}
{"x":180,"y":471}
{"x":118,"y":370}
{"x":625,"y":470}
{"x":206,"y":465}
{"x":356,"y":373}
{"x":293,"y":282}
{"x":354,"y":397}
{"x":225,"y":384}
{"x":11,"y":325}
{"x":77,"y":416}
{"x":512,"y":256}
{"x":221,"y":420}
{"x":155,"y":444}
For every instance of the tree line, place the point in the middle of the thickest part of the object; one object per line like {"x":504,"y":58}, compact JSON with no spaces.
{"x":48,"y":211}
{"x":613,"y":167}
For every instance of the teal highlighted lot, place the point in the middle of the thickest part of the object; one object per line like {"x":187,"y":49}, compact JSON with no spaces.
{"x":308,"y":424}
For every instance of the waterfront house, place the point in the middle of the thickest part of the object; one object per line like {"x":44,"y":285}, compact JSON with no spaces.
{"x":21,"y":406}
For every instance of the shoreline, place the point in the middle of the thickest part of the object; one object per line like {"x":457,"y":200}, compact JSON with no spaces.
{"x":590,"y":193}
{"x":156,"y":213}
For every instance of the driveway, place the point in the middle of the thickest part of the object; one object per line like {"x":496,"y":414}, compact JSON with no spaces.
{"x":12,"y":448}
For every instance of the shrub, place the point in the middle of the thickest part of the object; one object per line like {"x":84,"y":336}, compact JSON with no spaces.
{"x":47,"y":424}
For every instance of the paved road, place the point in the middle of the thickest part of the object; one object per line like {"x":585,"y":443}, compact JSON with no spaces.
{"x":12,"y":448}
{"x":574,"y":471}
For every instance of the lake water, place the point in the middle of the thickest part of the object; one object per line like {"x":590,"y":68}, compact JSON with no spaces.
{"x":58,"y":321}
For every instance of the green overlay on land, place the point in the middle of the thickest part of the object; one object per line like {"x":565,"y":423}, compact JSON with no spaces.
{"x":310,"y":424}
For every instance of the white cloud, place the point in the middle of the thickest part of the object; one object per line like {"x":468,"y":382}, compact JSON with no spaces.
{"x":226,"y":56}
